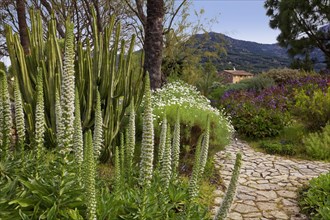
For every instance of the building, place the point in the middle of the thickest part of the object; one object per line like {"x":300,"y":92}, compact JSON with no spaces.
{"x":234,"y":76}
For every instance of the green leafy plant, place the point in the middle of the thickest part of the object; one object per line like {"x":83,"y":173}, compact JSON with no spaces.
{"x":315,"y":200}
{"x":318,"y":144}
{"x":194,"y":110}
{"x":312,"y":107}
{"x":282,"y":148}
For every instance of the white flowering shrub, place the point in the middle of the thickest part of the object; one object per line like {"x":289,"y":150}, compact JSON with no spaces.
{"x":193,"y":109}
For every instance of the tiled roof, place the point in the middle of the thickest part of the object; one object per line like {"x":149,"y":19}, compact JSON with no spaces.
{"x":238,"y":72}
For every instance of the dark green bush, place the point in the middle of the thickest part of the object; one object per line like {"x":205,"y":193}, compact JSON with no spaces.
{"x":282,"y":148}
{"x":315,"y":201}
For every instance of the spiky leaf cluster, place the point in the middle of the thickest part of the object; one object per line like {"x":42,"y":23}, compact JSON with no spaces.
{"x":19,"y":115}
{"x":90,"y":176}
{"x":77,"y":135}
{"x":229,"y":196}
{"x":176,"y":144}
{"x":147,"y":146}
{"x":5,"y":114}
{"x":162,"y":139}
{"x":39,"y":116}
{"x":98,"y":127}
{"x":68,"y":90}
{"x":166,"y":168}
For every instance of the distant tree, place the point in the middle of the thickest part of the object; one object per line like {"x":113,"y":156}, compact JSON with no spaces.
{"x":303,"y":24}
{"x":306,"y":64}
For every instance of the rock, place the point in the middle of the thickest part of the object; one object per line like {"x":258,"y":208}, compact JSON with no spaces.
{"x":242,"y":208}
{"x":265,"y":206}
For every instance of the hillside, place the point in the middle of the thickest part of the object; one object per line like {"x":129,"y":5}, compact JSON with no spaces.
{"x":246,"y":55}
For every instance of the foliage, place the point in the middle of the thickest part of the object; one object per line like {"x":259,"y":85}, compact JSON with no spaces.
{"x":193,"y":112}
{"x":256,"y":84}
{"x":303,"y":24}
{"x":312,"y":107}
{"x":315,"y":201}
{"x":54,"y":194}
{"x":283,"y":75}
{"x":282,"y":148}
{"x":229,"y":196}
{"x":5,"y":116}
{"x":318,"y":144}
{"x":257,"y":115}
{"x":90,"y":65}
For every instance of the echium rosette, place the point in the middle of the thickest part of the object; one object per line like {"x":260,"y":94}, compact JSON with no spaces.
{"x":176,"y":144}
{"x":147,"y":146}
{"x":98,"y":127}
{"x":68,"y":90}
{"x":5,"y":114}
{"x":90,"y":176}
{"x":77,"y":135}
{"x":40,"y":115}
{"x":162,"y":139}
{"x":19,"y":116}
{"x":166,"y":168}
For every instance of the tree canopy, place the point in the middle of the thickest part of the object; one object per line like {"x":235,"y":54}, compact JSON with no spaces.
{"x":304,"y":25}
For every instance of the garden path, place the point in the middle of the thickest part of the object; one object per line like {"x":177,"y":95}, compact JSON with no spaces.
{"x":267,"y":185}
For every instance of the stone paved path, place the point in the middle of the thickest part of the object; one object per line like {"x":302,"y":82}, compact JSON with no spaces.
{"x":267,"y":184}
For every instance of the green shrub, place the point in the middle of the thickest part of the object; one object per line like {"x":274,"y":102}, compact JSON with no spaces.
{"x":258,"y":122}
{"x":312,"y":108}
{"x":282,"y":148}
{"x":257,"y":84}
{"x":318,"y":144}
{"x":193,"y":109}
{"x":315,"y":201}
{"x":283,"y":75}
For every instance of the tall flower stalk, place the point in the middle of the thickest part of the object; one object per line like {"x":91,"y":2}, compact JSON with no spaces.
{"x":58,"y":117}
{"x":229,"y":196}
{"x":176,"y":144}
{"x":40,"y":115}
{"x":166,"y":168}
{"x":98,"y":127}
{"x":68,"y":90}
{"x":19,"y":116}
{"x":147,"y":146}
{"x":193,"y":182}
{"x":5,"y":114}
{"x":78,"y":135}
{"x":90,"y":176}
{"x":162,"y":139}
{"x":130,"y":138}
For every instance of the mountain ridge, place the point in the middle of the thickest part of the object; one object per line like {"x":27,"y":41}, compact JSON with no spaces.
{"x":247,"y":55}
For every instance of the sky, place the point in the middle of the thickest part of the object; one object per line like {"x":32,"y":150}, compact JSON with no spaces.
{"x":239,"y":19}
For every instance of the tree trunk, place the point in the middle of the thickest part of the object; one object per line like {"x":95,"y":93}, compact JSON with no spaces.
{"x":153,"y":42}
{"x":22,"y":25}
